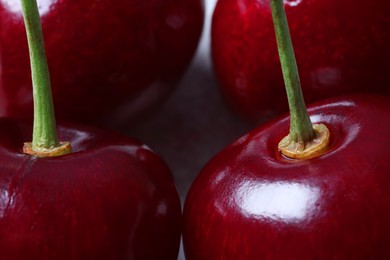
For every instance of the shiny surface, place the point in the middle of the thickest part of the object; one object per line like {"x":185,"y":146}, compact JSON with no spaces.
{"x":112,"y":198}
{"x":107,"y":61}
{"x":341,"y":46}
{"x":278,"y":201}
{"x":249,"y":202}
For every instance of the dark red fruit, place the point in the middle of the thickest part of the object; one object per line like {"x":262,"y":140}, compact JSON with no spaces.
{"x":250,"y":202}
{"x":108,"y":61}
{"x":112,"y":198}
{"x":341,"y":47}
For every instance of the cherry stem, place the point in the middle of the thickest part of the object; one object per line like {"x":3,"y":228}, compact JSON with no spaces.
{"x":44,"y":130}
{"x":301,"y":128}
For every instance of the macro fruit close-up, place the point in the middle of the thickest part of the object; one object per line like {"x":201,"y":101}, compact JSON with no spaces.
{"x":250,"y":201}
{"x":310,"y":185}
{"x":111,"y":60}
{"x":111,"y":198}
{"x":77,"y":192}
{"x":341,"y":47}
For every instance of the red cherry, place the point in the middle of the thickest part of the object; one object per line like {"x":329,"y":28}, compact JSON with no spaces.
{"x":250,"y":202}
{"x":341,"y":47}
{"x":112,"y":60}
{"x":111,"y":198}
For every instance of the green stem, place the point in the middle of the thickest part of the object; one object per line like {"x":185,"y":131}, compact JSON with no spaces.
{"x":301,"y":129}
{"x":44,"y":131}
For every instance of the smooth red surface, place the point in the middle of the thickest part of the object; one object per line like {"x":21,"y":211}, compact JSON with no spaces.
{"x":249,"y":202}
{"x":108,"y":61}
{"x":112,"y":198}
{"x":341,"y":47}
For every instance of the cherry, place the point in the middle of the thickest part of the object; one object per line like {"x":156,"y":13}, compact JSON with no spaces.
{"x":250,"y":202}
{"x":95,"y":195}
{"x":341,"y":47}
{"x":111,"y":198}
{"x":321,"y":192}
{"x":112,"y":60}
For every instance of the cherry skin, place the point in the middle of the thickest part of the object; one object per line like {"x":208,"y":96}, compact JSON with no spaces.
{"x":249,"y":202}
{"x":337,"y":51}
{"x":127,"y":55}
{"x":112,"y":198}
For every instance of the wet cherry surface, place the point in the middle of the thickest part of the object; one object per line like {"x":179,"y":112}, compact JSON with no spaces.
{"x":250,"y":202}
{"x":107,"y":61}
{"x":112,"y":198}
{"x":337,"y":51}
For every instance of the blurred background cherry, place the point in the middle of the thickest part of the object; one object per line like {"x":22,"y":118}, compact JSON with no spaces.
{"x":114,"y":61}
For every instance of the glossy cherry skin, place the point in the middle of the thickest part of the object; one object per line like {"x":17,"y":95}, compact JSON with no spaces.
{"x":337,"y":51}
{"x":249,"y":202}
{"x":112,"y":198}
{"x":108,"y":61}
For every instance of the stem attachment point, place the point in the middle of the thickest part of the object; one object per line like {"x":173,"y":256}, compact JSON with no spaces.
{"x":306,"y":150}
{"x":62,"y":149}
